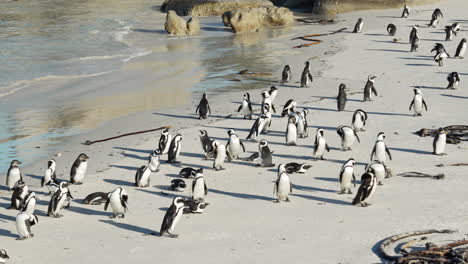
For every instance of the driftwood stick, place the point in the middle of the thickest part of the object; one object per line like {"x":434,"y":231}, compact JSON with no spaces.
{"x":314,"y":41}
{"x":89,"y":142}
{"x":458,"y":164}
{"x":455,"y":244}
{"x":425,"y":259}
{"x":415,"y":174}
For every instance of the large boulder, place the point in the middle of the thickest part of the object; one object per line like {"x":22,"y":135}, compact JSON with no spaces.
{"x":253,"y":19}
{"x":210,"y":7}
{"x":175,"y":25}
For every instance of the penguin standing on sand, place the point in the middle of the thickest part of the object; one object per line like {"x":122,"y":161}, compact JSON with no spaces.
{"x":461,"y":49}
{"x":449,"y":33}
{"x":178,"y":185}
{"x":439,"y":143}
{"x":164,"y":141}
{"x":436,"y":16}
{"x":96,"y":198}
{"x":142,"y":176}
{"x":358,"y":26}
{"x":406,"y":11}
{"x":302,"y":127}
{"x":3,"y":256}
{"x":174,"y":149}
{"x":291,"y":131}
{"x":207,"y":143}
{"x":348,"y":136}
{"x":283,"y":185}
{"x":440,"y":57}
{"x":418,"y":103}
{"x":24,"y":221}
{"x":118,"y":200}
{"x":172,"y":217}
{"x":20,"y":191}
{"x":13,"y":174}
{"x":258,"y":126}
{"x":359,"y":120}
{"x":78,"y":169}
{"x":341,"y":98}
{"x":320,"y":144}
{"x":49,"y":174}
{"x":286,"y":75}
{"x":273,"y":92}
{"x":199,"y":189}
{"x":415,"y":43}
{"x":369,"y":88}
{"x":220,"y":155}
{"x":306,"y":77}
{"x":456,"y":27}
{"x":391,"y":29}
{"x":454,"y":79}
{"x":29,"y":203}
{"x":346,"y":175}
{"x":366,"y":189}
{"x":267,"y":100}
{"x":289,"y":107}
{"x":380,"y":149}
{"x":57,"y":202}
{"x":154,"y":161}
{"x":234,"y":146}
{"x":265,"y":154}
{"x":246,"y":107}
{"x":203,"y":108}
{"x":379,"y":170}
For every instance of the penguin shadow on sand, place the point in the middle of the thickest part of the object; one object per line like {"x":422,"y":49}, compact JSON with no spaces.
{"x":334,"y":98}
{"x":389,"y":50}
{"x":411,"y":151}
{"x":321,"y":199}
{"x":416,"y":58}
{"x":119,"y":182}
{"x":375,"y":34}
{"x":242,"y":195}
{"x":7,"y":233}
{"x":146,"y":151}
{"x":134,"y":156}
{"x":124,"y":167}
{"x":322,"y":127}
{"x":7,"y":217}
{"x":454,"y":96}
{"x":335,"y":180}
{"x":429,"y":87}
{"x":390,"y":41}
{"x":165,"y":194}
{"x":133,"y":228}
{"x":87,"y":211}
{"x":196,"y":155}
{"x":311,"y":189}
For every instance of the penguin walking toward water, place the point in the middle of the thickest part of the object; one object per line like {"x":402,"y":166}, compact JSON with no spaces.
{"x":320,"y":144}
{"x":172,"y":217}
{"x":347,"y":177}
{"x":306,"y":77}
{"x":49,"y":175}
{"x":369,"y":88}
{"x":199,"y":189}
{"x":289,"y":107}
{"x":58,"y":200}
{"x":405,"y":12}
{"x":220,"y":155}
{"x":265,"y":154}
{"x":418,"y":103}
{"x":348,"y":136}
{"x":359,"y":120}
{"x":174,"y":149}
{"x":391,"y":29}
{"x":341,"y":99}
{"x":78,"y":169}
{"x":20,"y":191}
{"x":29,"y":203}
{"x":291,"y":131}
{"x":203,"y":108}
{"x":258,"y":126}
{"x":3,"y":256}
{"x":154,"y":160}
{"x":207,"y":144}
{"x":302,"y":127}
{"x":294,"y":167}
{"x":454,"y":79}
{"x":96,"y":198}
{"x":246,"y":107}
{"x":178,"y":185}
{"x":366,"y":189}
{"x":380,"y":149}
{"x":461,"y":49}
{"x":439,"y":143}
{"x":164,"y":141}
{"x":24,"y":221}
{"x":283,"y":185}
{"x":234,"y":146}
{"x":142,"y":176}
{"x":379,"y":170}
{"x":358,"y":26}
{"x":286,"y":75}
{"x":118,"y":200}
{"x":13,"y":174}
{"x":449,"y":33}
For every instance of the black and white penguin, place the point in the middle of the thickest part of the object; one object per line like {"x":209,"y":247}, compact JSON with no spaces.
{"x":414,"y":43}
{"x":366,"y":189}
{"x":13,"y":174}
{"x":194,"y":207}
{"x":265,"y":154}
{"x":234,"y":146}
{"x":289,"y":107}
{"x":456,"y":27}
{"x":118,"y":200}
{"x":294,"y":167}
{"x":219,"y":155}
{"x":348,"y":136}
{"x":436,"y":16}
{"x":437,"y":13}
{"x":286,"y":75}
{"x":49,"y":175}
{"x":172,"y":217}
{"x":453,"y":80}
{"x":306,"y":77}
{"x":413,"y":34}
{"x":29,"y":203}
{"x":461,"y":49}
{"x":20,"y":191}
{"x":266,"y":101}
{"x":268,"y":114}
{"x":358,"y":26}
{"x":405,"y":12}
{"x":24,"y":221}
{"x":164,"y":141}
{"x":391,"y":29}
{"x":188,"y":172}
{"x":246,"y":107}
{"x":283,"y":185}
{"x":58,"y":200}
{"x":96,"y":198}
{"x":418,"y":103}
{"x":359,"y":120}
{"x":258,"y":126}
{"x":449,"y":33}
{"x":320,"y":144}
{"x":379,"y":169}
{"x":174,"y":149}
{"x":291,"y":131}
{"x":142,"y":176}
{"x":439,"y":143}
{"x":440,"y":57}
{"x":199,"y":189}
{"x":273,"y":92}
{"x":178,"y":185}
{"x":439,"y":48}
{"x":203,"y":108}
{"x":380,"y":149}
{"x":206,"y":143}
{"x":347,"y":177}
{"x":302,"y":127}
{"x":342,"y":97}
{"x":3,"y":256}
{"x":154,"y":160}
{"x":78,"y":169}
{"x":369,"y":88}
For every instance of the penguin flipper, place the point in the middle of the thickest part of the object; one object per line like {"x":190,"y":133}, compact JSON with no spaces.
{"x":357,"y":137}
{"x":240,"y":108}
{"x":412,"y":103}
{"x":107,"y":203}
{"x":250,"y":107}
{"x":42,"y":182}
{"x":388,"y":152}
{"x":242,"y":145}
{"x":327,"y":147}
{"x":424,"y":104}
{"x":206,"y":189}
{"x":209,"y":109}
{"x":374,"y":90}
{"x":196,"y":110}
{"x":373,"y":152}
{"x":354,"y":179}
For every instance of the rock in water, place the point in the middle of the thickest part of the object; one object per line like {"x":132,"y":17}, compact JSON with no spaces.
{"x":253,"y":19}
{"x":175,"y":25}
{"x":209,"y":7}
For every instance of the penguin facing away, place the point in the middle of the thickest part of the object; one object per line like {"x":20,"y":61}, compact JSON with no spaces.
{"x":418,"y":103}
{"x":13,"y":174}
{"x":341,"y":99}
{"x":203,"y":108}
{"x":172,"y":217}
{"x":366,"y":189}
{"x":291,"y":132}
{"x":286,"y":75}
{"x":379,"y":169}
{"x":391,"y":29}
{"x":29,"y":203}
{"x":348,"y":136}
{"x":461,"y":49}
{"x":220,"y":155}
{"x":49,"y":174}
{"x":454,"y":79}
{"x":78,"y":169}
{"x":20,"y":191}
{"x":3,"y":256}
{"x":289,"y":107}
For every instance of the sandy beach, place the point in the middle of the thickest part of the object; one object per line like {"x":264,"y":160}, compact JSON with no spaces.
{"x":242,"y":224}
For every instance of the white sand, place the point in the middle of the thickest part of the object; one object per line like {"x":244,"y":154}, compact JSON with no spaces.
{"x":242,"y":224}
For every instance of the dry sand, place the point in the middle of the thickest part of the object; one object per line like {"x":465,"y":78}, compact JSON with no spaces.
{"x":242,"y":224}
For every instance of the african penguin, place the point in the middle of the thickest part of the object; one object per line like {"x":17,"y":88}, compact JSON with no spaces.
{"x":172,"y":217}
{"x":178,"y":185}
{"x":289,"y":107}
{"x":20,"y":191}
{"x":461,"y":49}
{"x":13,"y":174}
{"x":405,"y":12}
{"x":203,"y":108}
{"x":439,"y":143}
{"x":414,"y":43}
{"x":439,"y":48}
{"x":391,"y":29}
{"x":291,"y":131}
{"x":246,"y":107}
{"x":379,"y":170}
{"x":188,"y":173}
{"x":418,"y":103}
{"x":366,"y":189}
{"x":266,"y":100}
{"x":199,"y":189}
{"x":440,"y":57}
{"x":258,"y":127}
{"x":49,"y":174}
{"x":341,"y":98}
{"x":294,"y":167}
{"x":380,"y":149}
{"x":24,"y":221}
{"x":78,"y":169}
{"x":449,"y":33}
{"x":206,"y":143}
{"x":154,"y":160}
{"x":96,"y":198}
{"x":234,"y":146}
{"x":454,"y":79}
{"x":266,"y":158}
{"x":369,"y":88}
{"x":220,"y":155}
{"x":174,"y":149}
{"x":436,"y":16}
{"x":283,"y":185}
{"x":29,"y":203}
{"x":57,"y":202}
{"x":413,"y":34}
{"x":302,"y":127}
{"x":286,"y":75}
{"x":320,"y":144}
{"x":118,"y":200}
{"x":358,"y":26}
{"x":194,"y":207}
{"x":142,"y":176}
{"x":3,"y":256}
{"x":273,"y":92}
{"x":306,"y":77}
{"x":268,"y":114}
{"x":456,"y":27}
{"x":348,"y":136}
{"x":164,"y":141}
{"x":359,"y":120}
{"x":347,"y":177}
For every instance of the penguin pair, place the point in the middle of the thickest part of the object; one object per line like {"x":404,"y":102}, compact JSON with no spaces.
{"x":320,"y":144}
{"x":301,"y":123}
{"x":203,"y":108}
{"x":369,"y":88}
{"x":418,"y":103}
{"x":268,"y":97}
{"x":118,"y":202}
{"x":283,"y":185}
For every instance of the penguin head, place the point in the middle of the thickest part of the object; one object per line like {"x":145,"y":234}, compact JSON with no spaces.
{"x":307,"y":63}
{"x":247,"y":96}
{"x":350,"y":162}
{"x":51,"y":164}
{"x":231,"y":132}
{"x":263,"y":116}
{"x":342,"y":87}
{"x":63,"y":185}
{"x":83,"y":157}
{"x":281,"y":168}
{"x":272,"y":89}
{"x":204,"y":96}
{"x":305,"y":112}
{"x":15,"y":163}
{"x":441,"y":131}
{"x":463,"y":40}
{"x":203,"y":133}
{"x":215,"y":144}
{"x":263,"y":143}
{"x":381,"y":136}
{"x":178,"y":137}
{"x":199,"y":171}
{"x":320,"y":132}
{"x":3,"y":254}
{"x":371,"y":78}
{"x":292,"y":119}
{"x":178,"y":202}
{"x":165,"y":131}
{"x":265,"y":94}
{"x":155,"y":153}
{"x":19,"y":184}
{"x":287,"y":67}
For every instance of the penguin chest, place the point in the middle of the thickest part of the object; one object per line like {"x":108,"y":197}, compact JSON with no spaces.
{"x":220,"y":154}
{"x":380,"y":151}
{"x":178,"y":148}
{"x":321,"y":146}
{"x":291,"y":133}
{"x":13,"y":177}
{"x":60,"y":203}
{"x":440,"y":144}
{"x":81,"y":171}
{"x":371,"y":190}
{"x":245,"y":108}
{"x":358,"y":123}
{"x":153,"y":165}
{"x":21,"y":225}
{"x":116,"y":204}
{"x":199,"y":190}
{"x":348,"y":139}
{"x":176,"y":220}
{"x":47,"y":176}
{"x":144,"y":178}
{"x":31,"y":205}
{"x":167,"y":145}
{"x":284,"y":187}
{"x":346,"y":178}
{"x":379,"y":172}
{"x":300,"y":126}
{"x":462,"y":51}
{"x":418,"y":104}
{"x":234,"y":146}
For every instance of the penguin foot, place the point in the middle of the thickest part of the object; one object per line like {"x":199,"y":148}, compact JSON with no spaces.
{"x":350,"y":192}
{"x":21,"y":238}
{"x":172,"y":235}
{"x":380,"y":183}
{"x":277,"y":201}
{"x":58,"y":216}
{"x":287,"y":200}
{"x":112,"y":216}
{"x":342,"y":192}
